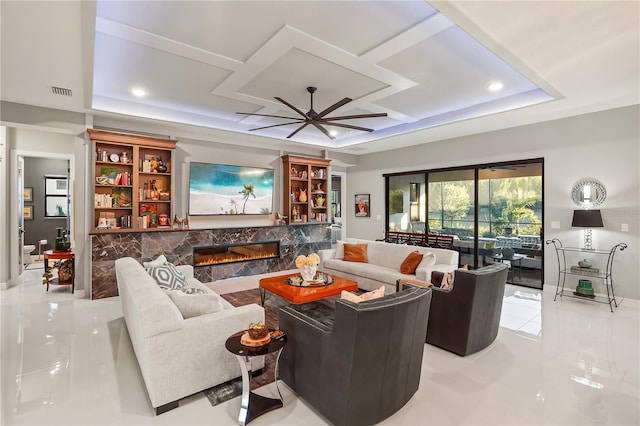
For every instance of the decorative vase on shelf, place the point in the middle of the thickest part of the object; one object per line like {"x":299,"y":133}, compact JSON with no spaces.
{"x":320,"y":201}
{"x":62,"y":244}
{"x":303,"y":196}
{"x":308,"y":272}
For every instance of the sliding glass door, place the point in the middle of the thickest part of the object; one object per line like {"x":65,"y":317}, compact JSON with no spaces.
{"x":492,"y":211}
{"x":510,"y":220}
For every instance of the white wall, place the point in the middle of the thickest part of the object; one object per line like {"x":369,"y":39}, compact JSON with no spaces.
{"x":4,"y":209}
{"x":40,"y":141}
{"x":604,"y":146}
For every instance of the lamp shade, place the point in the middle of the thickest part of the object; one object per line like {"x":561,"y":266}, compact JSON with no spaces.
{"x":587,"y":219}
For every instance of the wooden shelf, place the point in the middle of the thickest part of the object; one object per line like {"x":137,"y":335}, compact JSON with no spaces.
{"x":142,"y":152}
{"x":308,"y":176}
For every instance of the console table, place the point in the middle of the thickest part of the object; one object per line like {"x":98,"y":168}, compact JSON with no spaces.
{"x":605,"y":275}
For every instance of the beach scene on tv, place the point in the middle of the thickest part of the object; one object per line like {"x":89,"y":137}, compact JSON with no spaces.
{"x":226,"y":189}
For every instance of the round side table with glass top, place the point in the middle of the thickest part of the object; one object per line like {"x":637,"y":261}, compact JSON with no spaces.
{"x":252,"y":404}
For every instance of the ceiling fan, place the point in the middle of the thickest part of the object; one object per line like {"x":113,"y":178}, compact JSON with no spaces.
{"x":317,"y":119}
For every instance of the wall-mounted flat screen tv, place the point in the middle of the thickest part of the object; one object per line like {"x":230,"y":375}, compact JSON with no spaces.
{"x":225,"y":189}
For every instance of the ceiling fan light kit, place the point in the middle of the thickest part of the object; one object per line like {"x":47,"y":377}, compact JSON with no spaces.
{"x":316,"y":119}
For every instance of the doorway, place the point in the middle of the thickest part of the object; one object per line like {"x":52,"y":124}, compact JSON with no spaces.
{"x":337,"y":203}
{"x":43,"y":189}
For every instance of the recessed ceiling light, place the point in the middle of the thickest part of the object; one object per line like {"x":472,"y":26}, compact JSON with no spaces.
{"x":333,"y":133}
{"x":495,"y":86}
{"x":139,"y":92}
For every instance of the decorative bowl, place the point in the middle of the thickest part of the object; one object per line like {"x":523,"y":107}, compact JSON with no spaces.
{"x":258,"y":330}
{"x":584,"y":264}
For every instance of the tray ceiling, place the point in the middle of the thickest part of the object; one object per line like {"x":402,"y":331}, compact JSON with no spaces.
{"x":427,"y":65}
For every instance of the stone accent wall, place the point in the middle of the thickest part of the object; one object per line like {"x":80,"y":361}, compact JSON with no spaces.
{"x":178,"y":245}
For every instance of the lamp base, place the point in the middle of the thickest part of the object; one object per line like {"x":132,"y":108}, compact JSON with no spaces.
{"x":587,"y":239}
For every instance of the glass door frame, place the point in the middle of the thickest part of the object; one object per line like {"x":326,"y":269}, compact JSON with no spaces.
{"x":476,"y":169}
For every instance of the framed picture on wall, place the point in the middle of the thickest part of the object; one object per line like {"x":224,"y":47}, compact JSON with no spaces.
{"x":27,"y":213}
{"x":28,"y":194}
{"x":362,"y":205}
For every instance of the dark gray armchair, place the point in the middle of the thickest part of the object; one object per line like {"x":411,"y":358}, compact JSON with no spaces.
{"x":356,"y":363}
{"x":466,"y":319}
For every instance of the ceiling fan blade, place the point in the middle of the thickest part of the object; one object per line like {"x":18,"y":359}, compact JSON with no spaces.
{"x":277,"y":125}
{"x":347,"y":126}
{"x":352,"y":117}
{"x":306,"y":123}
{"x":291,"y":106}
{"x":267,"y":115}
{"x":334,"y":107}
{"x":322,"y":129}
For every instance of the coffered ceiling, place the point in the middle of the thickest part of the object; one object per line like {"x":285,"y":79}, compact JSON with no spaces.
{"x":427,"y":65}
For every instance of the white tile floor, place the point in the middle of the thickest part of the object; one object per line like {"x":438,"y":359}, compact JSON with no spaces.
{"x":69,"y":361}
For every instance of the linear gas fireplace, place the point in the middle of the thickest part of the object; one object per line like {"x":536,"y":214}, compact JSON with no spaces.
{"x":232,"y":253}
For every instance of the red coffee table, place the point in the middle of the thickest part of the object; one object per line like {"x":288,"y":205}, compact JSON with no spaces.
{"x":301,"y":294}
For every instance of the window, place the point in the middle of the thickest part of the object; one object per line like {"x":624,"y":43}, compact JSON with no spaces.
{"x":56,"y":202}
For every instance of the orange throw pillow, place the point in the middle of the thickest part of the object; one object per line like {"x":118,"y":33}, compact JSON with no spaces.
{"x":355,"y":253}
{"x":411,"y":262}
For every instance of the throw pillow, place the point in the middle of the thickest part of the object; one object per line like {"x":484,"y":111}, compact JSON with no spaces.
{"x":374,"y":294}
{"x":339,"y":253}
{"x":160,"y":260}
{"x":449,"y":277}
{"x":193,"y":290}
{"x":411,"y":262}
{"x":429,"y":259}
{"x":167,"y":276}
{"x":447,"y":281}
{"x":339,"y":250}
{"x":355,"y":253}
{"x":193,"y":305}
{"x":350,"y":296}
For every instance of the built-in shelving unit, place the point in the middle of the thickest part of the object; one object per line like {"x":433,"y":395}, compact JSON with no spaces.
{"x":305,"y":189}
{"x":133,"y":182}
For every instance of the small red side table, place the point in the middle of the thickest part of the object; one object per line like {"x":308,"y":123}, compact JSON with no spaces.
{"x":61,"y":255}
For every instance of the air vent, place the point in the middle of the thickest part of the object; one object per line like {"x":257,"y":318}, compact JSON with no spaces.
{"x":61,"y":91}
{"x":357,"y":148}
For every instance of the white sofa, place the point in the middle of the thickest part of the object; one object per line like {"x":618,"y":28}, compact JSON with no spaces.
{"x":178,"y":357}
{"x":383,"y":266}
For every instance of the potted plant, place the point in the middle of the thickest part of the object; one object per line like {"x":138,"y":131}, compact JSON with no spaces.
{"x":64,"y":268}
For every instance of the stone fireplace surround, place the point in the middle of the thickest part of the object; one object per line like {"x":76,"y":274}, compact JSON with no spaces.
{"x":178,"y":245}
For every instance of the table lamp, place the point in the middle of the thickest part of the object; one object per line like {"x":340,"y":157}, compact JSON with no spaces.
{"x":587,"y":219}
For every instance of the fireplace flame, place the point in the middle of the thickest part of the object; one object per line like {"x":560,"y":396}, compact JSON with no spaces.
{"x":216,"y":255}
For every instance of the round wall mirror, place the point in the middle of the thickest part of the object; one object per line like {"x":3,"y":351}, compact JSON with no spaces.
{"x":588,"y":193}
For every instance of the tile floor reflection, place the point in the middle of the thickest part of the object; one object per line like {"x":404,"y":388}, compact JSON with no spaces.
{"x":69,"y":361}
